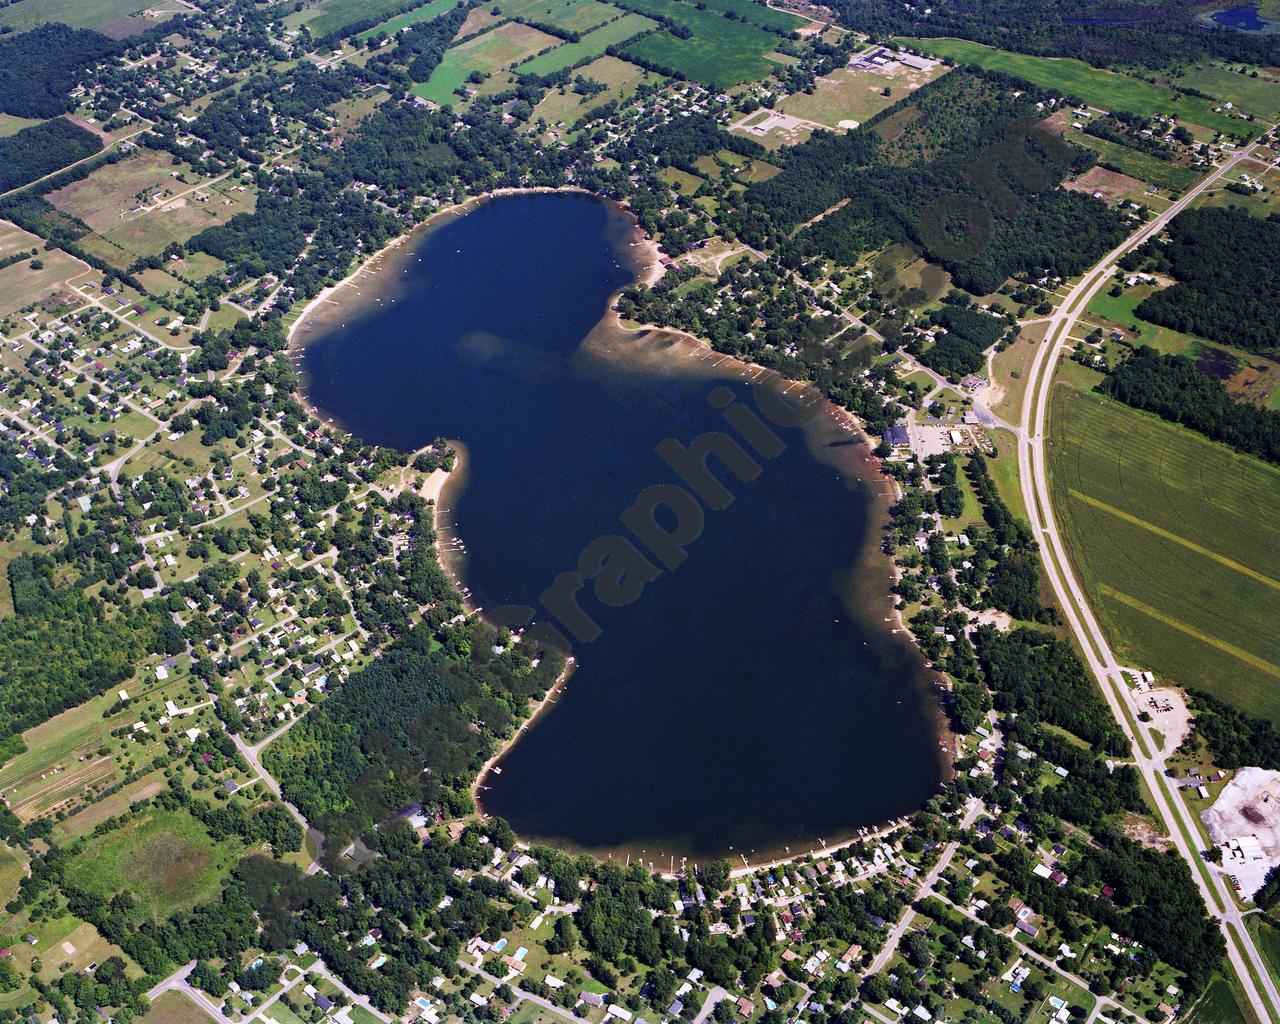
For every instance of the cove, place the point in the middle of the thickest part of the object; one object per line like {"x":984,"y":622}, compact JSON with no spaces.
{"x":754,"y":698}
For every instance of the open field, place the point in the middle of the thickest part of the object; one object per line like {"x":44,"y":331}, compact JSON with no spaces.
{"x":28,"y":14}
{"x":592,"y":44}
{"x":1103,"y":89}
{"x":176,"y":1008}
{"x":571,"y":15}
{"x":1217,"y":1005}
{"x":621,"y":76}
{"x":1177,"y":541}
{"x":20,"y":285}
{"x":13,"y":239}
{"x":1009,"y":373}
{"x":1258,"y":96}
{"x":423,"y":13}
{"x":165,"y":858}
{"x":505,"y":45}
{"x":1136,"y":164}
{"x":13,"y":868}
{"x":721,"y":53}
{"x":846,"y":95}
{"x":107,"y":196}
{"x":181,"y":218}
{"x":85,"y":821}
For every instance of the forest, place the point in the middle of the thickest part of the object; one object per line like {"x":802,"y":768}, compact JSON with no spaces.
{"x":1172,"y":388}
{"x":357,"y":759}
{"x":38,"y":69}
{"x":41,"y":149}
{"x":968,"y":334}
{"x":1235,"y":738}
{"x":1040,"y":677}
{"x":1227,"y":264}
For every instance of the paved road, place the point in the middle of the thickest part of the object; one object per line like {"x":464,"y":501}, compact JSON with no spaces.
{"x":882,"y":958}
{"x":1102,"y":661}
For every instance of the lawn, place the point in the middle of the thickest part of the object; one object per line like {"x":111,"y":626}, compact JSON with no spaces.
{"x":592,"y":44}
{"x":1258,"y":96}
{"x":1103,"y":89}
{"x":175,"y":1008}
{"x":846,"y":95}
{"x":721,"y":53}
{"x":27,"y":14}
{"x":571,"y":15}
{"x":1136,"y":164}
{"x":1177,"y":541}
{"x":164,"y":858}
{"x":429,"y":10}
{"x":504,"y":46}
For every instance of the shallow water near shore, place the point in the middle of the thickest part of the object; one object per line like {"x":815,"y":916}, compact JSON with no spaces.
{"x":753,"y":700}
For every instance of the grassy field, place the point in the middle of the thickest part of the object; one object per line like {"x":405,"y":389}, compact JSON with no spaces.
{"x":571,"y":15}
{"x":505,"y":45}
{"x":1258,"y":96}
{"x":418,"y":14}
{"x":1148,"y":168}
{"x":592,"y":44}
{"x":1104,"y":89}
{"x":329,"y":16}
{"x":721,"y":53}
{"x":181,"y":218}
{"x":21,"y":285}
{"x":9,"y":124}
{"x":620,"y":76}
{"x":1177,"y":541}
{"x":176,"y":1008}
{"x":165,"y":858}
{"x":846,"y":95}
{"x":77,"y":13}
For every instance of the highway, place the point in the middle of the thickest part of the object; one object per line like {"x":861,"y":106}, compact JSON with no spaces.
{"x":1250,"y":969}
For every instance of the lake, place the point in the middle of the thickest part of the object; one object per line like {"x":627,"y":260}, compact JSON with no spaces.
{"x":751,"y":699}
{"x":1244,"y":17}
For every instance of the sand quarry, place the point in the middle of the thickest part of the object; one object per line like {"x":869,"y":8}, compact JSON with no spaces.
{"x":1249,"y":807}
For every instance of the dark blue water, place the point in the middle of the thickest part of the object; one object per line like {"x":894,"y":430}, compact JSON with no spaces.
{"x":752,"y":698}
{"x":1243,"y":16}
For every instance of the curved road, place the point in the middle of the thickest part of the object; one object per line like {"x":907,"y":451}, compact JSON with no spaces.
{"x":1246,"y":961}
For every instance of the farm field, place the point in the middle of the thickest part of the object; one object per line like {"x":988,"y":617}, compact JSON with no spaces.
{"x":27,"y":14}
{"x":620,"y":76}
{"x":505,"y":45}
{"x":418,"y":14}
{"x":721,"y":53}
{"x":846,"y":95}
{"x":756,"y":14}
{"x":1103,"y":89}
{"x":1258,"y":96}
{"x":165,"y":858}
{"x":1177,"y":542}
{"x":1144,"y":166}
{"x":570,"y":15}
{"x":13,"y":239}
{"x":592,"y":44}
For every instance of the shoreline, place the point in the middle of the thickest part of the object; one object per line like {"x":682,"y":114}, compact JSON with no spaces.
{"x":538,"y":709}
{"x":648,"y":268}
